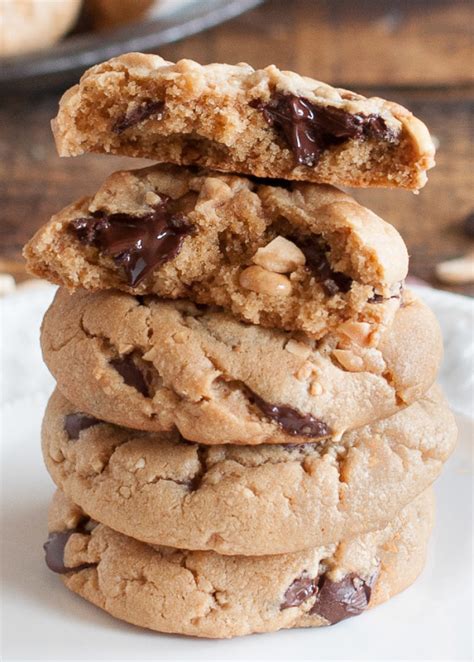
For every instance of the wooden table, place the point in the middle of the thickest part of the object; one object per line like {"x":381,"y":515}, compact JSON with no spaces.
{"x":417,"y":53}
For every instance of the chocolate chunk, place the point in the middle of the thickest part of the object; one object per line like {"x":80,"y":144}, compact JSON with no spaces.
{"x":299,"y":591}
{"x":141,"y":112}
{"x":131,"y":374}
{"x":315,"y":253}
{"x":291,"y":420}
{"x":138,"y":244}
{"x":54,"y":551}
{"x":309,"y":129}
{"x":468,"y":225}
{"x":75,"y":423}
{"x":336,"y":601}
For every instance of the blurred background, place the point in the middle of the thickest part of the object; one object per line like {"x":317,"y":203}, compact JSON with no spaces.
{"x":418,"y":53}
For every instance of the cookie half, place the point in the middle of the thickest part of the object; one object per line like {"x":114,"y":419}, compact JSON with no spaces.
{"x":266,"y":499}
{"x":267,"y":123}
{"x":208,"y":595}
{"x":158,"y":365}
{"x":301,"y":257}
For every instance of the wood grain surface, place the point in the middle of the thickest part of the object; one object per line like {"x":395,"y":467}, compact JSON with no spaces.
{"x":418,"y":53}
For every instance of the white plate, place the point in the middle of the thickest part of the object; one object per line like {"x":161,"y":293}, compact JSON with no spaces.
{"x":42,"y":620}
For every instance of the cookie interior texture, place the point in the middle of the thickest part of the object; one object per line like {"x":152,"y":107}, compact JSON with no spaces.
{"x":287,"y":255}
{"x":266,"y":123}
{"x":208,"y":595}
{"x":264,"y":499}
{"x":157,"y":365}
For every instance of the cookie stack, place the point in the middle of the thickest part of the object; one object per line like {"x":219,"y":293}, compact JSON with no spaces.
{"x":246,"y":426}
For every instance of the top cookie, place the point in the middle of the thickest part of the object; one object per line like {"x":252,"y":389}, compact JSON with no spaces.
{"x":267,"y":123}
{"x":301,"y":257}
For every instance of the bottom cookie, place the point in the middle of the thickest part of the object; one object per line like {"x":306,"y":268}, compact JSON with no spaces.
{"x":209,"y":595}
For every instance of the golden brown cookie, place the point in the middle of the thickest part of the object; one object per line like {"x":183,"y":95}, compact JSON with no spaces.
{"x":267,"y":123}
{"x":208,"y":595}
{"x":300,"y":257}
{"x":157,"y":365}
{"x":266,"y":499}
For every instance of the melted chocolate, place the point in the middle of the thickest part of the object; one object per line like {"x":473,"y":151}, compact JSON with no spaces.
{"x":75,"y":423}
{"x":291,"y":420}
{"x":138,"y":244}
{"x":141,"y":112}
{"x":299,"y":591}
{"x":54,"y":551}
{"x":309,"y":129}
{"x":336,"y":601}
{"x":316,"y":259}
{"x":131,"y":374}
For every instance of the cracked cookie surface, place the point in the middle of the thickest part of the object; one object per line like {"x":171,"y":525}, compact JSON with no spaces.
{"x":267,"y":123}
{"x":208,"y":595}
{"x":157,"y":365}
{"x":300,"y":257}
{"x":266,"y":499}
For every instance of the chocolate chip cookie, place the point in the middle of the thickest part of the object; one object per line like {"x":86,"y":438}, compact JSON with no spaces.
{"x":157,"y":365}
{"x":300,"y":256}
{"x":266,"y":499}
{"x":267,"y":123}
{"x":208,"y":595}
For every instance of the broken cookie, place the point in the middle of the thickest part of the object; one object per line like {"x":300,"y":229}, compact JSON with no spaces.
{"x":301,"y":257}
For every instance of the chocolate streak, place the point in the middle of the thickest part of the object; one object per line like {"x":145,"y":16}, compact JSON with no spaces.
{"x":291,"y":420}
{"x":139,"y":244}
{"x":316,"y":259}
{"x":310,"y":129}
{"x":131,"y":374}
{"x":141,"y":112}
{"x":54,"y":551}
{"x":75,"y":423}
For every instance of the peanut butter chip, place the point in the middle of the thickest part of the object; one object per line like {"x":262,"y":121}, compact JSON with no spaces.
{"x":261,"y":281}
{"x":151,"y":198}
{"x":315,"y":388}
{"x":280,"y":256}
{"x":298,"y":349}
{"x":359,"y":332}
{"x":349,"y":360}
